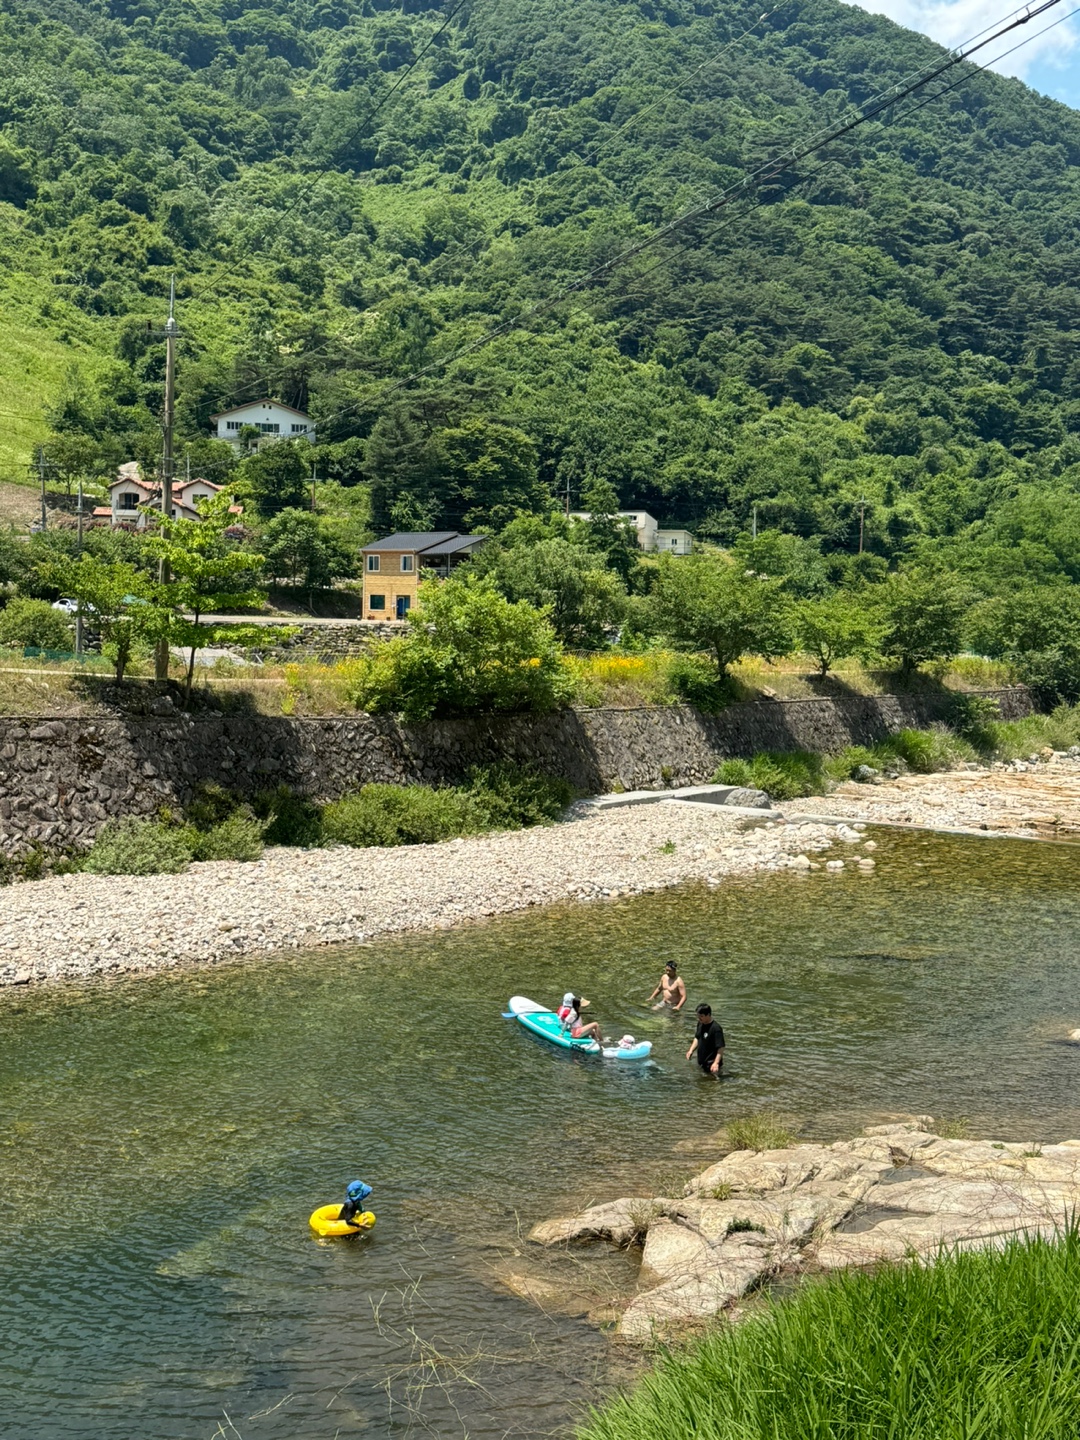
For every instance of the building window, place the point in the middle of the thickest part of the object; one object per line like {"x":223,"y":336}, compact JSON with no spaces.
{"x":406,"y":564}
{"x":299,"y":429}
{"x":232,"y":424}
{"x":268,"y":429}
{"x":129,"y":502}
{"x":373,"y":563}
{"x":376,"y":602}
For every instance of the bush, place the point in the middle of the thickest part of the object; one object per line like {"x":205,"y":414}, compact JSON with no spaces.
{"x":979,"y":1344}
{"x":513,"y":796}
{"x":782,"y":774}
{"x":289,"y":818}
{"x":401,"y":815}
{"x":468,"y":649}
{"x":139,"y":847}
{"x":34,"y":622}
{"x":238,"y":837}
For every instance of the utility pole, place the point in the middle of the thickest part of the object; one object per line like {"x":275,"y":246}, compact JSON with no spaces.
{"x":862,"y":518}
{"x":753,"y":523}
{"x":42,"y":466}
{"x":161,"y":655}
{"x":78,"y":606}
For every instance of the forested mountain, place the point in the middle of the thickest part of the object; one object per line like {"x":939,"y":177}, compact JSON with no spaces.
{"x":895,"y":322}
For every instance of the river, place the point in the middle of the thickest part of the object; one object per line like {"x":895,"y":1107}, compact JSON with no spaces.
{"x":163,"y":1139}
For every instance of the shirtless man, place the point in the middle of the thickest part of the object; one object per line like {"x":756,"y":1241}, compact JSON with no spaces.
{"x":671,"y":989}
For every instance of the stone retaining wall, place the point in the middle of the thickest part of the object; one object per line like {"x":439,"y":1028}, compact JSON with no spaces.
{"x":61,"y":778}
{"x":326,"y":642}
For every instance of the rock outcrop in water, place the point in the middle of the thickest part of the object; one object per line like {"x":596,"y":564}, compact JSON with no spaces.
{"x":896,"y":1192}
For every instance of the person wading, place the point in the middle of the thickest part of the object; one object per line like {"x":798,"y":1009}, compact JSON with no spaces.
{"x":671,"y":989}
{"x":708,"y":1042}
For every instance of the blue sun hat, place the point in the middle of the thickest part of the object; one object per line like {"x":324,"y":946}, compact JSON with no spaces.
{"x":357,"y":1190}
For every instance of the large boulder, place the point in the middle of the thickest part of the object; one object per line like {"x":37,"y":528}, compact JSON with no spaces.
{"x":620,"y":1221}
{"x":735,"y":1266}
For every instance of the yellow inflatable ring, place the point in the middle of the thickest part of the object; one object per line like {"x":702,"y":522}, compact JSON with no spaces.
{"x":324,"y":1221}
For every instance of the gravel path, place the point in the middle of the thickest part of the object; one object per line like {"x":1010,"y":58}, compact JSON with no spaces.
{"x":77,"y":926}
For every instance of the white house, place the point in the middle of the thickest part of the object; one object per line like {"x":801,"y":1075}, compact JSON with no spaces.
{"x":272,"y":419}
{"x":129,"y":491}
{"x":650,"y":537}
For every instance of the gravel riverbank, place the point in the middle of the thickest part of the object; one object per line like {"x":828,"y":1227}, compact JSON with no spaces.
{"x":76,"y":927}
{"x":79,"y":926}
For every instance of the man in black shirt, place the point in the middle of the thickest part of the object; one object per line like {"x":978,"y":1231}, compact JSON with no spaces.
{"x":708,"y":1042}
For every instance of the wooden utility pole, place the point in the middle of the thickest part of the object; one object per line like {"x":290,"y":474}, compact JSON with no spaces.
{"x":161,"y":655}
{"x":78,"y":605}
{"x":42,"y":466}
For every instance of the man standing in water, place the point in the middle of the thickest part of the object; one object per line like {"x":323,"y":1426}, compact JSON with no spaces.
{"x":671,"y":989}
{"x":708,"y":1042}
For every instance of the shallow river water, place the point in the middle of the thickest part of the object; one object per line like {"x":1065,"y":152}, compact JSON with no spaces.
{"x":162,"y":1140}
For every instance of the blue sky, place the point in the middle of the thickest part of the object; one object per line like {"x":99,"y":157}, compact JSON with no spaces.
{"x":1050,"y":62}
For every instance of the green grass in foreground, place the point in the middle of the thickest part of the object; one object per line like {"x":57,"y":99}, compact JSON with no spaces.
{"x":978,"y":1346}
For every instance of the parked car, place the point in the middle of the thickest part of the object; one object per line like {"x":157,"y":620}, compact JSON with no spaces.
{"x":69,"y":607}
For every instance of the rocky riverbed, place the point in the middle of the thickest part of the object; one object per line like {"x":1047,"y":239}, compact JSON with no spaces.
{"x":76,"y":926}
{"x":896,"y":1192}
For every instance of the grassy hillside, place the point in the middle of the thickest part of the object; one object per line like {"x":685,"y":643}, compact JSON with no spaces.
{"x":892,"y":329}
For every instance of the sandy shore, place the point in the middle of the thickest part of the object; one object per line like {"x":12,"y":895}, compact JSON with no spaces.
{"x":81,"y":926}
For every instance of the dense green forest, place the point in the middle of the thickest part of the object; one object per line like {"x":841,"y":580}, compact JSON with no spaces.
{"x":892,"y":323}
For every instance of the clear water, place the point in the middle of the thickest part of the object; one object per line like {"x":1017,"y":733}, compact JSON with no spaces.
{"x":162,"y":1141}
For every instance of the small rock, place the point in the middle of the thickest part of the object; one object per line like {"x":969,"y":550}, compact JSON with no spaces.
{"x":870,"y":845}
{"x":865,"y":774}
{"x":21,"y":977}
{"x":834,"y":864}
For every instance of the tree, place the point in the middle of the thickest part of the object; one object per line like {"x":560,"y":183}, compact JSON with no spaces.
{"x":607,"y":532}
{"x":468,"y":649}
{"x":833,"y":627}
{"x":298,"y":548}
{"x":1037,"y":630}
{"x":921,"y":615}
{"x":703,"y":602}
{"x":278,"y":475}
{"x":208,"y":572}
{"x":117,"y":599}
{"x":489,"y":471}
{"x":582,"y":599}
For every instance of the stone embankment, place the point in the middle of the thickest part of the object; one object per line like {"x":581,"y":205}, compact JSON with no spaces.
{"x":897,"y":1192}
{"x":79,"y":926}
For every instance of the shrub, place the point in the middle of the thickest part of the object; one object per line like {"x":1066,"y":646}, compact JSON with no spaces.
{"x":925,"y":751}
{"x":978,"y":1344}
{"x":238,"y":837}
{"x":468,"y":649}
{"x":782,"y":774}
{"x":34,"y":622}
{"x":512,"y":796}
{"x":289,"y":818}
{"x":733,"y":772}
{"x":762,"y":1130}
{"x":844,"y":765}
{"x":139,"y":847}
{"x":401,"y":815}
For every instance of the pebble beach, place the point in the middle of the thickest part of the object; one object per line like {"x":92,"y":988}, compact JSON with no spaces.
{"x":78,"y":927}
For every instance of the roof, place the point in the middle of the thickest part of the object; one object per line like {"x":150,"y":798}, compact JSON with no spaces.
{"x":152,"y":488}
{"x":456,"y":545}
{"x":266,"y":400}
{"x":416,"y":540}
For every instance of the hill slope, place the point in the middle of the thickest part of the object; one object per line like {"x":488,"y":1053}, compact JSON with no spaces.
{"x":895,"y":323}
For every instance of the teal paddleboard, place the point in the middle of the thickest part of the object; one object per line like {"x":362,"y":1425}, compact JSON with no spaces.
{"x":548,"y":1025}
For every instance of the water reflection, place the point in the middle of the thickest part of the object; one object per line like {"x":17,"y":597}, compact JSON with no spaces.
{"x":164,"y":1140}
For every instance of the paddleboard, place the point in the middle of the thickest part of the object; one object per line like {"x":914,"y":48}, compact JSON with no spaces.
{"x":547,"y":1024}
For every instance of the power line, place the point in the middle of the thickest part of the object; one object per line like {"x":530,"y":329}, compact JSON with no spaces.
{"x":769,"y":170}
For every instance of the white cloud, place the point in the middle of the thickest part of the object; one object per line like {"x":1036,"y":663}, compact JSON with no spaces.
{"x":952,"y":22}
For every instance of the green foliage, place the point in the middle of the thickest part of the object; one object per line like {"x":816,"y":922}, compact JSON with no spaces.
{"x":782,"y":774}
{"x":977,"y":1344}
{"x":833,"y":627}
{"x":400,"y":815}
{"x":703,"y":603}
{"x":277,"y":475}
{"x":117,"y":599}
{"x":467,"y":649}
{"x":922,"y":616}
{"x":289,"y":818}
{"x":299,"y":549}
{"x":238,"y":836}
{"x":34,"y":622}
{"x":582,"y":598}
{"x":497,"y":797}
{"x":138,"y":847}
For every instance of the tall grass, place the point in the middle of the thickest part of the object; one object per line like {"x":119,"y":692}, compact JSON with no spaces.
{"x":977,"y":1346}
